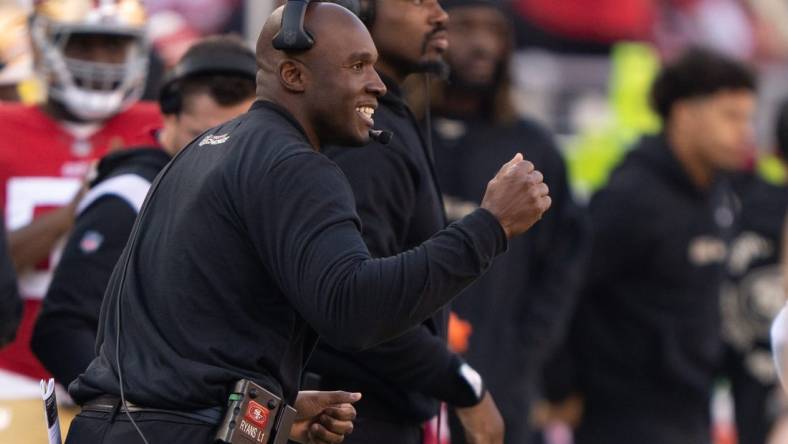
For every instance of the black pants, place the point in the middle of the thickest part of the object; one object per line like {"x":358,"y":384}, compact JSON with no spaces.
{"x":91,"y":427}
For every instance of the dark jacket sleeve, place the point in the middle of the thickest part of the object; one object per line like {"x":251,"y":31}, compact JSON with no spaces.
{"x":420,"y":361}
{"x":64,"y":338}
{"x":321,"y":263}
{"x":10,"y":302}
{"x":562,"y":249}
{"x":384,"y":182}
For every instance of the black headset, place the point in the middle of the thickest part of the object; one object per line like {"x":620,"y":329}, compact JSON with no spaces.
{"x":170,"y":95}
{"x":293,"y":37}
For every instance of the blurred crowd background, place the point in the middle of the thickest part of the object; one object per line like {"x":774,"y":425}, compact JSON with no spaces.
{"x":582,"y":68}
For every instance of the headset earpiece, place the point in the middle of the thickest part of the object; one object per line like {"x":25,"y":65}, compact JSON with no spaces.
{"x":292,"y":36}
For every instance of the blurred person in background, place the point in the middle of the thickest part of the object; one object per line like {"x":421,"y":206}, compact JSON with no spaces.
{"x":646,"y":335}
{"x":194,"y":13}
{"x":519,"y":310}
{"x":93,"y":61}
{"x":723,"y":25}
{"x":175,"y":25}
{"x":753,"y":293}
{"x":399,"y":203}
{"x":213,"y":83}
{"x":16,"y":59}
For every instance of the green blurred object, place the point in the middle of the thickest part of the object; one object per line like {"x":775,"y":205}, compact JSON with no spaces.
{"x":772,"y":169}
{"x":596,"y":150}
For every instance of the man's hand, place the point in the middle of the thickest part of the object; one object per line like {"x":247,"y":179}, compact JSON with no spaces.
{"x":483,"y":423}
{"x":517,"y":196}
{"x":323,"y":417}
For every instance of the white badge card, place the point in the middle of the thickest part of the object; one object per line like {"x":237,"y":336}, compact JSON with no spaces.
{"x":50,"y":411}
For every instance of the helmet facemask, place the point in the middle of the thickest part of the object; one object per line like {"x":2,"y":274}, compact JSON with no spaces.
{"x":90,"y":90}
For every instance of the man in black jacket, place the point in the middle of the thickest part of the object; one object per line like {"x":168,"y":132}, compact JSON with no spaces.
{"x":519,"y":310}
{"x":248,"y":249}
{"x":399,"y":203}
{"x":213,"y":82}
{"x":191,"y":101}
{"x":647,"y":334}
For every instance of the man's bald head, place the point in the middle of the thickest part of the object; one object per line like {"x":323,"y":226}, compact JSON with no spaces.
{"x":331,"y":87}
{"x":325,"y":22}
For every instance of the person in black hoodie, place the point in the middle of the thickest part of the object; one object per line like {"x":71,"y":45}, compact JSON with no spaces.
{"x":647,"y":332}
{"x":399,"y":203}
{"x":214,"y":82}
{"x":520,"y":309}
{"x":752,"y":295}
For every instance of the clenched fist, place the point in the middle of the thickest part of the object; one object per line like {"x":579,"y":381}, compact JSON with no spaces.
{"x":517,"y":196}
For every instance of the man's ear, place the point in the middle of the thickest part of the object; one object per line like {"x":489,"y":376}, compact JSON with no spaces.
{"x":292,"y":76}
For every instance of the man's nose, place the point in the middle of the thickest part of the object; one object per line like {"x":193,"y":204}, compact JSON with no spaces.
{"x":375,"y":85}
{"x":439,"y":15}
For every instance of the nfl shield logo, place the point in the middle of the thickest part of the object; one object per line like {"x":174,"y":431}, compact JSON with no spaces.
{"x":91,"y":242}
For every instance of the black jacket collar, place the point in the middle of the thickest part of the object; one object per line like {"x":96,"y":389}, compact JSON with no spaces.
{"x":279,"y":109}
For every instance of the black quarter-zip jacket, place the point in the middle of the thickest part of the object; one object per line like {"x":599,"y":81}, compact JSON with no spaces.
{"x":247,"y":248}
{"x":647,"y":332}
{"x":400,"y":206}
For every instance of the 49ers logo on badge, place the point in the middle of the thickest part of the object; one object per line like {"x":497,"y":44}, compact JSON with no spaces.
{"x":254,"y":422}
{"x":257,"y":414}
